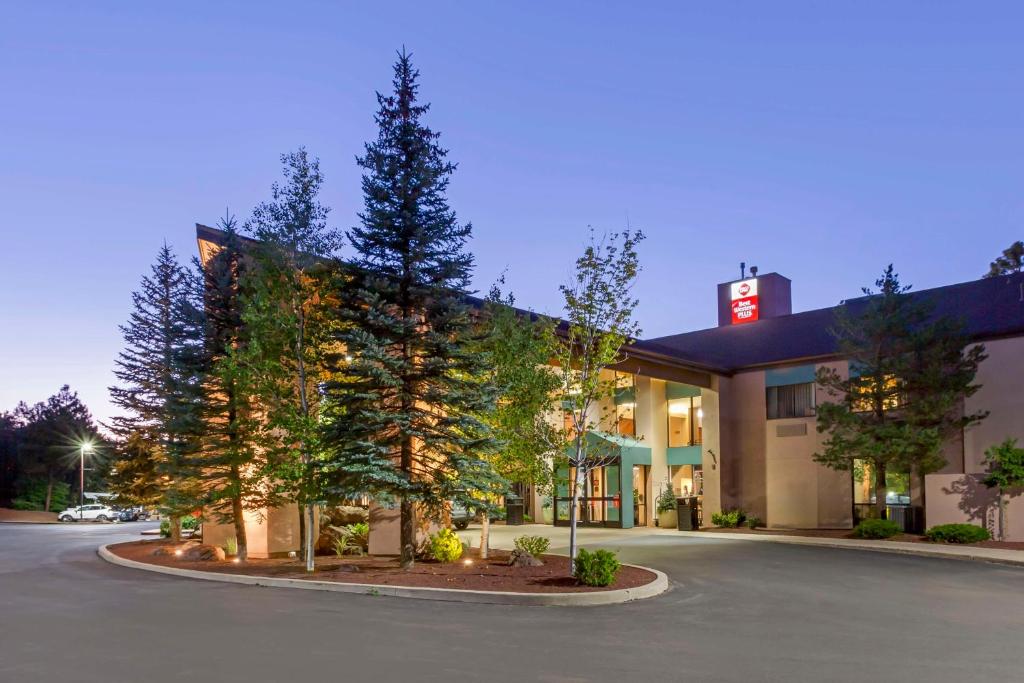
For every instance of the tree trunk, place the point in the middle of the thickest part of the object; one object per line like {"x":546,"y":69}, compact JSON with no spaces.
{"x":310,"y":542}
{"x":1002,"y":515}
{"x":485,"y":535}
{"x":241,"y":543}
{"x":880,"y":490}
{"x":408,"y":520}
{"x":175,"y":523}
{"x":577,"y":484}
{"x":302,"y":531}
{"x":408,"y":534}
{"x":49,"y":491}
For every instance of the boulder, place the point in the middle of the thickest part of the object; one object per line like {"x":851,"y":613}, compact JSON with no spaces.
{"x":521,"y":558}
{"x":166,"y":550}
{"x":338,"y":516}
{"x":204,"y":553}
{"x":348,"y":568}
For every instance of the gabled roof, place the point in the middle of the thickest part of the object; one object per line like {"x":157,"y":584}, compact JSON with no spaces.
{"x":989,"y":308}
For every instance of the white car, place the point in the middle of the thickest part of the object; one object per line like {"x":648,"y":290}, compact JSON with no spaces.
{"x":92,"y":513}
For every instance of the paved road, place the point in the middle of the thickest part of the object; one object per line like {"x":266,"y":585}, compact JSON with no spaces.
{"x":737,"y":612}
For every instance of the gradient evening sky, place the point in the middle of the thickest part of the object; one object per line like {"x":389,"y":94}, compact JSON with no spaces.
{"x":812,"y":139}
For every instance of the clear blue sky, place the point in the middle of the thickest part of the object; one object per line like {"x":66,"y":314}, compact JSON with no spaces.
{"x":811,"y":139}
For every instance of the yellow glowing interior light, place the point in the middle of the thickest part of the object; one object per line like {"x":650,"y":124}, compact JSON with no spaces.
{"x":679,"y":408}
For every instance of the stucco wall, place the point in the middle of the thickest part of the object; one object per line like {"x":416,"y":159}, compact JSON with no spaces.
{"x":269,"y":533}
{"x":800,"y":492}
{"x":652,"y":430}
{"x":1002,"y":392}
{"x":742,"y":439}
{"x":962,"y":498}
{"x":711,"y":450}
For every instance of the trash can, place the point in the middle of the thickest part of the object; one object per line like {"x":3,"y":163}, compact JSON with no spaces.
{"x":687,"y":514}
{"x":513,"y":510}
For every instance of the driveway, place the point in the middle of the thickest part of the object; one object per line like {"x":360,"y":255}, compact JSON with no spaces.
{"x":737,"y":611}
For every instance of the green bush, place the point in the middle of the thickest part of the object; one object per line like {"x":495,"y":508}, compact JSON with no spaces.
{"x":445,"y":546}
{"x":360,"y":533}
{"x":165,"y":528}
{"x":231,"y":546}
{"x":189,"y":523}
{"x":597,"y":568}
{"x":877,"y":528}
{"x":666,"y":501}
{"x":535,"y":545}
{"x":957,"y":533}
{"x":729,"y":519}
{"x":754,"y":521}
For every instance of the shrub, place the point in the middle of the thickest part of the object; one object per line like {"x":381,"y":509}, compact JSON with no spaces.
{"x":345,"y":545}
{"x":231,"y":546}
{"x":445,"y":546}
{"x":666,"y":501}
{"x":729,"y":519}
{"x":165,"y":528}
{"x":597,"y":568}
{"x":877,"y":528}
{"x":753,"y":522}
{"x":188,"y":522}
{"x":957,"y":533}
{"x":32,"y":495}
{"x":360,"y":533}
{"x":535,"y":545}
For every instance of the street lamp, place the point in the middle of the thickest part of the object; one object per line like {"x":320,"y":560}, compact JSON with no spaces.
{"x":85,"y":447}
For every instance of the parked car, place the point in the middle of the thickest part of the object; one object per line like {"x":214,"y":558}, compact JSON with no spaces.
{"x":128,"y":515}
{"x":461,"y":516}
{"x":93,"y":512}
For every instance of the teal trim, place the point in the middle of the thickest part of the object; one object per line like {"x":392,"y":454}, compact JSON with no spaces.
{"x":674,"y":390}
{"x":780,"y":377}
{"x":625,"y":395}
{"x":684,"y":455}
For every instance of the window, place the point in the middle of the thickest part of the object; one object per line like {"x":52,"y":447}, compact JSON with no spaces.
{"x":625,"y":404}
{"x":685,"y":422}
{"x":791,"y":400}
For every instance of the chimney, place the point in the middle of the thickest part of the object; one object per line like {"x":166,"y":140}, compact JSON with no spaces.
{"x":754,"y":298}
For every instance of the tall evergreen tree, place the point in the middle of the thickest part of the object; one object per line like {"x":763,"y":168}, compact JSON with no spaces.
{"x":159,"y":375}
{"x":229,"y":468}
{"x":903,"y":397}
{"x":288,"y":294}
{"x":405,"y":409}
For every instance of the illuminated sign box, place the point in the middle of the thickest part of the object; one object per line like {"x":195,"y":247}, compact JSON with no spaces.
{"x":743,"y":301}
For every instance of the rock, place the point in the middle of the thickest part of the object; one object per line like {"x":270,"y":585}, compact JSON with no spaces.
{"x":166,"y":550}
{"x":521,"y":558}
{"x":339,"y":515}
{"x":348,"y":568}
{"x":204,"y":553}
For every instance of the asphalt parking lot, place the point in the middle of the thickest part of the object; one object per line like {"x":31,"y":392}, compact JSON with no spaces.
{"x":737,"y":611}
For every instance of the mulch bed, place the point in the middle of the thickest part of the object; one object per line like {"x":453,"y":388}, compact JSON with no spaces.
{"x":847,"y":533}
{"x":492,"y":574}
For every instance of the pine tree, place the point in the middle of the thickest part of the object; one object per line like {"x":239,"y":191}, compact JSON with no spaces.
{"x":159,"y":387}
{"x":902,"y":399}
{"x":1011,"y":261}
{"x":288,"y":292}
{"x":229,"y":468}
{"x":404,"y":409}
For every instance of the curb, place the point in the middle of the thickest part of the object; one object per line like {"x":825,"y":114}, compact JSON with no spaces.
{"x":613,"y":597}
{"x":880,"y":547}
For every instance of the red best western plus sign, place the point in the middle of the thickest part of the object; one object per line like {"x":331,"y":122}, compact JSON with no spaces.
{"x":744,"y":310}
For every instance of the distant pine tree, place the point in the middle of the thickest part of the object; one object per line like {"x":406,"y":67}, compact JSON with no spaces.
{"x":159,"y":375}
{"x":404,"y":409}
{"x":1011,"y":261}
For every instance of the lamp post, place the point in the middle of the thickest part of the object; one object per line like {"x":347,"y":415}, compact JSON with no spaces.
{"x":86,"y":447}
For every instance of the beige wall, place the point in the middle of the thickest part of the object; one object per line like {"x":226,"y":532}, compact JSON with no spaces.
{"x":652,"y":430}
{"x":1002,"y":392}
{"x":711,"y":452}
{"x":962,"y":498}
{"x":742,"y":441}
{"x":800,"y":492}
{"x":272,"y":532}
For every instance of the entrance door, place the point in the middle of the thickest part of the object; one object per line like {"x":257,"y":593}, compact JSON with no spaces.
{"x":600,"y":499}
